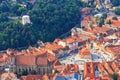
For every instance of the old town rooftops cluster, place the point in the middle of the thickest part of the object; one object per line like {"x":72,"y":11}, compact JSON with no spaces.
{"x":91,"y":52}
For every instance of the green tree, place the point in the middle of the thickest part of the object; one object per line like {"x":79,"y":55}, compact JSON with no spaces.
{"x":115,"y":2}
{"x":50,"y":19}
{"x":101,"y":22}
{"x":56,"y":71}
{"x":53,"y":18}
{"x":4,"y":7}
{"x":104,"y":15}
{"x":109,"y":22}
{"x":114,"y":76}
{"x":3,"y":17}
{"x":24,"y":72}
{"x":117,"y":11}
{"x":114,"y":18}
{"x":33,"y":72}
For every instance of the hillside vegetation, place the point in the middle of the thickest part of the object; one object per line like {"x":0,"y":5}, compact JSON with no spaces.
{"x":49,"y":20}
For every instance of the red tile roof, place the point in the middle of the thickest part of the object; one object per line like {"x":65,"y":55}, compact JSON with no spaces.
{"x":32,"y":77}
{"x":69,"y":40}
{"x":96,"y":30}
{"x":67,"y":70}
{"x":45,"y":77}
{"x":89,"y":18}
{"x":105,"y":68}
{"x":31,"y":60}
{"x":86,"y":9}
{"x":84,"y":51}
{"x":53,"y":47}
{"x":115,"y":23}
{"x":89,"y":36}
{"x":23,"y":60}
{"x":88,"y":70}
{"x":108,"y":68}
{"x":42,"y":61}
{"x":71,"y":68}
{"x":115,"y":67}
{"x":56,"y":40}
{"x":57,"y":63}
{"x":4,"y":58}
{"x":113,"y":49}
{"x":8,"y":76}
{"x":84,"y":22}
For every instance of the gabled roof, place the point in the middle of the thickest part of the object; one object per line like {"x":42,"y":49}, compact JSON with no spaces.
{"x":88,"y":36}
{"x":45,"y":58}
{"x":113,"y":49}
{"x":23,"y":60}
{"x":71,"y":68}
{"x":86,"y":9}
{"x":96,"y":30}
{"x":56,"y":40}
{"x":56,"y":63}
{"x":42,"y":59}
{"x":45,"y":77}
{"x":84,"y":51}
{"x":84,"y":22}
{"x":88,"y":70}
{"x":32,"y":77}
{"x":108,"y":68}
{"x":69,"y":40}
{"x":53,"y":46}
{"x":115,"y":23}
{"x":105,"y":68}
{"x":8,"y":76}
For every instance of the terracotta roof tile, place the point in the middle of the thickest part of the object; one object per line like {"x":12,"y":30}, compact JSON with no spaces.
{"x":89,"y":70}
{"x":42,"y":61}
{"x":45,"y":77}
{"x":32,"y":77}
{"x":89,"y":36}
{"x":45,"y":58}
{"x":8,"y":76}
{"x":113,"y":49}
{"x":114,"y":66}
{"x":25,"y":60}
{"x":96,"y":30}
{"x":71,"y":68}
{"x":56,"y":63}
{"x":69,"y":40}
{"x":84,"y":51}
{"x":84,"y":22}
{"x":90,"y":17}
{"x":53,"y":47}
{"x":31,"y":60}
{"x":86,"y":9}
{"x":115,"y":23}
{"x":57,"y":40}
{"x":107,"y":67}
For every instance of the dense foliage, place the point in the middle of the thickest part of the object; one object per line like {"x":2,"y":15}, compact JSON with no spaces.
{"x":117,"y":11}
{"x":114,"y":76}
{"x":101,"y":20}
{"x":50,"y":19}
{"x":115,"y":2}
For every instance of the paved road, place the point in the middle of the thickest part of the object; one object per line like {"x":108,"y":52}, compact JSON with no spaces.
{"x":67,"y":55}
